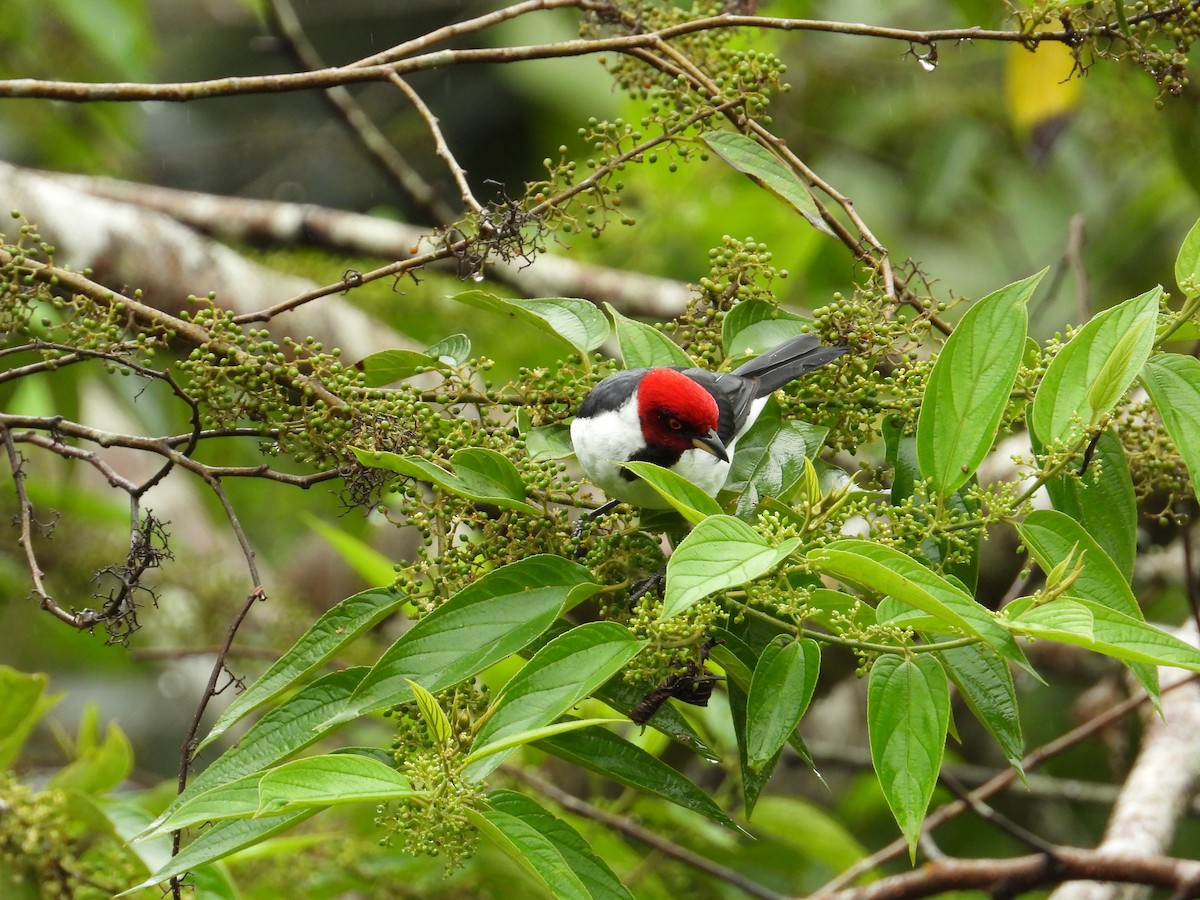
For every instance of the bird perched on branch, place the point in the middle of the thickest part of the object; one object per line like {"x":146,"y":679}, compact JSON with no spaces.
{"x":685,"y":420}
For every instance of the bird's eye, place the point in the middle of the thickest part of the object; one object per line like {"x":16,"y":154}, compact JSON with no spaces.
{"x":674,"y":424}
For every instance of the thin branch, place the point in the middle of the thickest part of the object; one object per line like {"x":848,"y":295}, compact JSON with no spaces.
{"x":632,"y":829}
{"x":287,"y":26}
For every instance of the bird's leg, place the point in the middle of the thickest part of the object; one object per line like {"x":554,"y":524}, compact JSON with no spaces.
{"x":587,"y":517}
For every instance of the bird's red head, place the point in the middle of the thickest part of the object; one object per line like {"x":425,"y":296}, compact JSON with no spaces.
{"x":674,"y":410}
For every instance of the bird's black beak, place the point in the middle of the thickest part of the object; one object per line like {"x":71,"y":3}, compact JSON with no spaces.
{"x":711,"y":443}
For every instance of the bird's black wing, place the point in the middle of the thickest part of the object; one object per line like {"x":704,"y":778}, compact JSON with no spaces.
{"x":612,"y":392}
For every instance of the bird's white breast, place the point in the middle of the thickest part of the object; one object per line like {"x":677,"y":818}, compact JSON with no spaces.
{"x":602,"y":445}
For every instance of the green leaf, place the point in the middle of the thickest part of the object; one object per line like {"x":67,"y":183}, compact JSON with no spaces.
{"x":691,"y":502}
{"x":440,"y":731}
{"x":1097,"y":627}
{"x":237,"y":799}
{"x":1173,"y":382}
{"x":1092,"y":372}
{"x":755,"y":326}
{"x":783,"y":685}
{"x":516,"y":739}
{"x":880,"y":568}
{"x":549,"y":442}
{"x":576,"y":323}
{"x":986,"y":684}
{"x":719,"y":553}
{"x":547,"y":848}
{"x":222,"y":840}
{"x":908,"y":716}
{"x":388,"y":366}
{"x":294,"y":724}
{"x":969,"y":387}
{"x":615,"y":758}
{"x":558,"y":676}
{"x":455,"y":349}
{"x":491,"y":618}
{"x":643,"y":346}
{"x":1187,"y":263}
{"x":99,"y":765}
{"x":324,"y":638}
{"x":1103,"y":500}
{"x":331,"y":780}
{"x":480,"y":475}
{"x":771,"y":459}
{"x":24,"y":705}
{"x":766,"y":170}
{"x":1052,"y":537}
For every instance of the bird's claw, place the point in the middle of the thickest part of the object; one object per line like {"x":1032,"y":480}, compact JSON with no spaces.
{"x":654,"y":582}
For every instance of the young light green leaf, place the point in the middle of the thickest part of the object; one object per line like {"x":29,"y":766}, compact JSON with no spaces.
{"x":576,"y":323}
{"x":691,"y":502}
{"x":615,"y":758}
{"x":440,"y":731}
{"x":783,"y":685}
{"x":330,"y":780}
{"x":755,"y":326}
{"x":969,"y":387}
{"x":908,"y":716}
{"x":643,"y":346}
{"x":481,"y":475}
{"x":388,"y":366}
{"x":1187,"y":263}
{"x":719,"y":553}
{"x":455,"y":349}
{"x":558,"y":676}
{"x":986,"y":684}
{"x":1092,"y":372}
{"x":1097,"y":627}
{"x":766,"y":170}
{"x":516,"y":739}
{"x":1052,"y":537}
{"x":340,"y":625}
{"x":368,"y":563}
{"x":883,"y":569}
{"x":1103,"y":500}
{"x":1173,"y":382}
{"x":547,"y":848}
{"x":808,"y":831}
{"x":772,"y":459}
{"x":489,"y":619}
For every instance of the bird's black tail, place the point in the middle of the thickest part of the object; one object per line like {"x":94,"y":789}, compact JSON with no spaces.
{"x":788,"y":361}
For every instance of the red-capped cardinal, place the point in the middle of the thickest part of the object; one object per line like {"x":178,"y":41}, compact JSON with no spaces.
{"x":686,"y":420}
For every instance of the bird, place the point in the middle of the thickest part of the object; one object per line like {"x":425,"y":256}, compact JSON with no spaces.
{"x":684,"y":419}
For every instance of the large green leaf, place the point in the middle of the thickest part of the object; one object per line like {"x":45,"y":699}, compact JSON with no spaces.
{"x":1085,"y":623}
{"x":719,"y":553}
{"x":755,"y":326}
{"x":479,"y":474}
{"x":1052,"y":538}
{"x":324,"y":638}
{"x":969,"y":387}
{"x":1102,"y":500}
{"x":770,"y":459}
{"x":489,"y":619}
{"x":331,"y":780}
{"x":24,"y":705}
{"x":645,"y":347}
{"x":1092,"y":372}
{"x":809,"y":831}
{"x":908,"y":716}
{"x":766,"y":170}
{"x":610,"y":755}
{"x":576,"y":323}
{"x":883,"y":569}
{"x":986,"y":684}
{"x":1173,"y":382}
{"x":783,"y":685}
{"x":558,"y":676}
{"x":388,"y":366}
